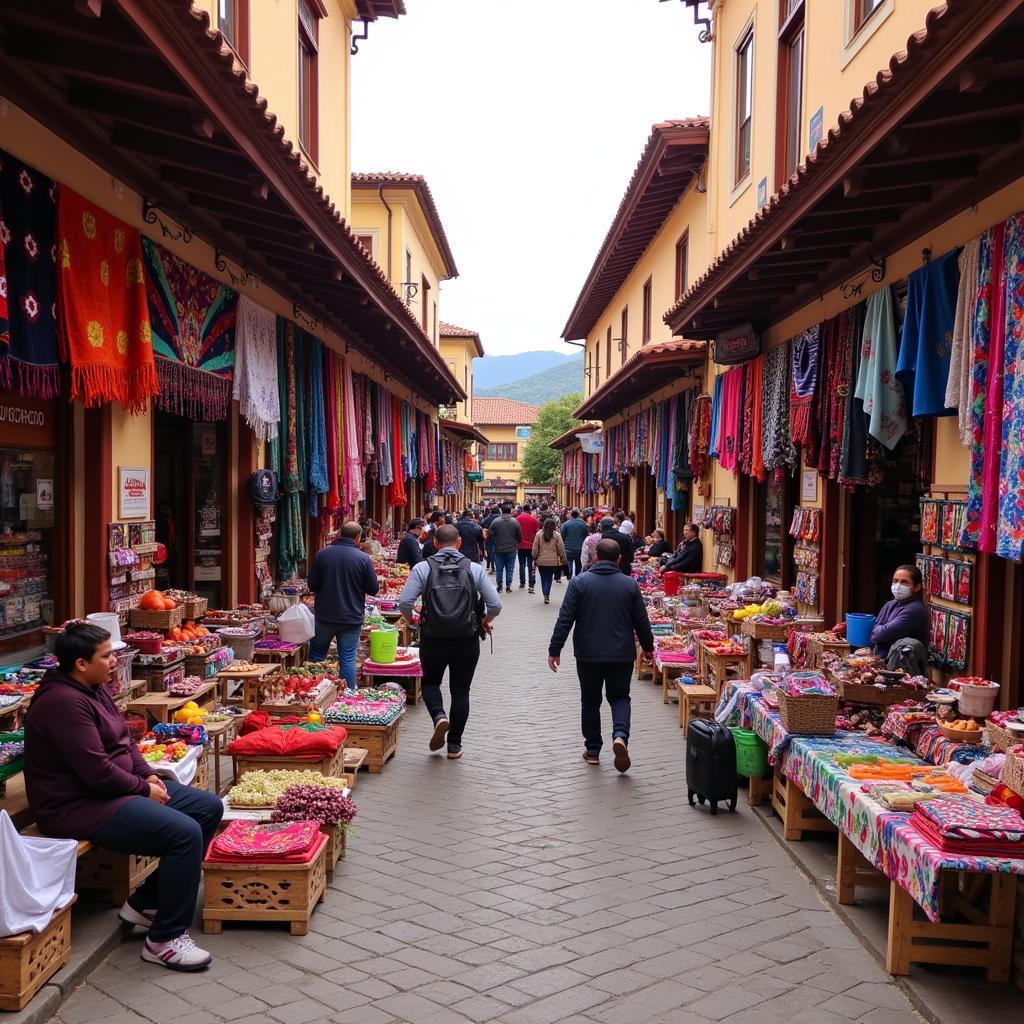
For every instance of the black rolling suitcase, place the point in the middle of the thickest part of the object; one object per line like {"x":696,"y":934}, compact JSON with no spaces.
{"x":710,"y":764}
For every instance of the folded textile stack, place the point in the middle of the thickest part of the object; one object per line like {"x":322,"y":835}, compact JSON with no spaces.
{"x":246,"y":842}
{"x":806,"y":684}
{"x":967,"y":826}
{"x":359,"y":711}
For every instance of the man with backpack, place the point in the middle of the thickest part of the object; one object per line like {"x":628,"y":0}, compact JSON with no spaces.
{"x":459,"y":604}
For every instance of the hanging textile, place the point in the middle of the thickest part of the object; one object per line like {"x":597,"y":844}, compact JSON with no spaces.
{"x":291,"y":546}
{"x":877,"y":385}
{"x":802,"y":424}
{"x":397,"y":497}
{"x":193,"y":320}
{"x":837,"y":356}
{"x":28,"y":219}
{"x":1010,"y":523}
{"x":961,"y":356}
{"x":316,"y":430}
{"x":757,"y":372}
{"x":682,"y":471}
{"x":923,"y":364}
{"x":716,"y":418}
{"x":777,"y":444}
{"x":354,"y":479}
{"x":5,"y":325}
{"x":700,"y":434}
{"x":255,"y":385}
{"x":746,"y":440}
{"x":860,"y":454}
{"x":103,"y":319}
{"x":332,"y":503}
{"x":729,"y":430}
{"x":990,"y":256}
{"x":994,"y":407}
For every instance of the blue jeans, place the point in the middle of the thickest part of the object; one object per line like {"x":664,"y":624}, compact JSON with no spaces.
{"x":613,"y":678}
{"x":490,"y":553}
{"x":547,"y":574}
{"x":348,"y":641}
{"x":573,"y":559}
{"x":526,"y":563}
{"x":504,"y":566}
{"x":177,"y":832}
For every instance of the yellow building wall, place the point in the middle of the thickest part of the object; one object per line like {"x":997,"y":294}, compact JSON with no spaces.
{"x":459,"y":353}
{"x":493,"y":469}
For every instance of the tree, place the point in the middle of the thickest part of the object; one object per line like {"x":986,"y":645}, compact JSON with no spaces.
{"x":541,"y":464}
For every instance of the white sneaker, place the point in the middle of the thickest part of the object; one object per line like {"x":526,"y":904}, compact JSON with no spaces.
{"x":180,"y":954}
{"x":139,"y":918}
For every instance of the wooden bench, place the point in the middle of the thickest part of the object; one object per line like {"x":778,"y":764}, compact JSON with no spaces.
{"x":691,"y":698}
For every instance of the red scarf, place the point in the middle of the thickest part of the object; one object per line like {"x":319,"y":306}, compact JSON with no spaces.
{"x":397,"y":495}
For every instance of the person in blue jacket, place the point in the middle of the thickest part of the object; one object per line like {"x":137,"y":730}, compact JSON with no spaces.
{"x":905,"y":617}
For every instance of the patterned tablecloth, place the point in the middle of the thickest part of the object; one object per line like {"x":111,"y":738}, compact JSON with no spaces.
{"x":885,"y":838}
{"x":395,"y":668}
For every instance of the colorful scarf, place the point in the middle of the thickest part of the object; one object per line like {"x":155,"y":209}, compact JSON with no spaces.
{"x":776,"y":442}
{"x":877,"y":386}
{"x":805,"y":384}
{"x":28,"y":217}
{"x":757,"y":374}
{"x":353,"y":480}
{"x":732,"y":387}
{"x":746,"y":439}
{"x":193,"y":318}
{"x":716,"y":418}
{"x":102,"y":311}
{"x":316,"y":429}
{"x":1010,"y":524}
{"x":993,"y":426}
{"x":397,"y":494}
{"x":5,"y":326}
{"x":333,"y":501}
{"x":700,"y":434}
{"x":255,"y":377}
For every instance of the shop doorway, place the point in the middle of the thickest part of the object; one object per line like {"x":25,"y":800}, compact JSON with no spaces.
{"x":190,"y":486}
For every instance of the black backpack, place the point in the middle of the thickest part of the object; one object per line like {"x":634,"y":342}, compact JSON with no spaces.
{"x":450,"y":599}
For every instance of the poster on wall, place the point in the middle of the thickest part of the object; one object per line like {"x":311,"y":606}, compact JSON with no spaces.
{"x":134,"y":493}
{"x":809,"y":485}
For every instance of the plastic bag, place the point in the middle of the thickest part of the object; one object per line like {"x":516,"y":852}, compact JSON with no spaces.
{"x":37,"y":878}
{"x":296,"y":625}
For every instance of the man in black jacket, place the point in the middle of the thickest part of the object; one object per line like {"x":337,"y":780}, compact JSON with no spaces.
{"x":609,"y":614}
{"x":341,"y":576}
{"x":625,"y":542}
{"x":689,"y":556}
{"x":409,"y":551}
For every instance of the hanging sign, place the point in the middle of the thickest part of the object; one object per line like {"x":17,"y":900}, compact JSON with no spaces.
{"x":134,"y":493}
{"x":737,"y":345}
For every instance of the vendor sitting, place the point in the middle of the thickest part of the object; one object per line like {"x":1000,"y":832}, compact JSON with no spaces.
{"x":689,"y":556}
{"x":905,"y":617}
{"x":656,"y":544}
{"x":85,"y":779}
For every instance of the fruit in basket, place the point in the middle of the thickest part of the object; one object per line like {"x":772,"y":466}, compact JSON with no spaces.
{"x":152,"y":601}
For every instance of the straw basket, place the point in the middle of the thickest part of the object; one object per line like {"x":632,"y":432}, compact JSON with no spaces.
{"x":143,"y":618}
{"x":1013,"y":773}
{"x":863,"y":693}
{"x":812,"y":715}
{"x":999,"y":738}
{"x":766,"y":630}
{"x":195,"y":608}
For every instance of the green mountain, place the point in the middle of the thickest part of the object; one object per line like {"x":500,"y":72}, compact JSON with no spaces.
{"x":541,"y":387}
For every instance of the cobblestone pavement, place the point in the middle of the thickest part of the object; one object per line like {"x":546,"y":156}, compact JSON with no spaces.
{"x":521,"y":886}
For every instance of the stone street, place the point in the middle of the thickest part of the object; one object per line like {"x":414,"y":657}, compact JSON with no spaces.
{"x":521,"y":886}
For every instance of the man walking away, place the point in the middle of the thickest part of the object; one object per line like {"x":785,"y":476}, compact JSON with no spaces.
{"x":506,"y":534}
{"x":574,"y":532}
{"x":452,"y":623}
{"x":625,"y":543}
{"x":409,"y":552}
{"x":341,"y":577}
{"x":472,"y":536}
{"x":529,"y":525}
{"x":608,"y":612}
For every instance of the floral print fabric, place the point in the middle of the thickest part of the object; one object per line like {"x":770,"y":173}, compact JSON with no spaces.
{"x":1009,"y":532}
{"x":776,"y":443}
{"x":877,"y":386}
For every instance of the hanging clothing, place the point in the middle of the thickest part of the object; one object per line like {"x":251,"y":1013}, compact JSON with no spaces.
{"x":923,"y":363}
{"x":193,"y":320}
{"x":994,"y":408}
{"x":255,"y":384}
{"x":877,"y":385}
{"x":28,"y":221}
{"x":716,"y":417}
{"x":746,"y":439}
{"x":958,"y":387}
{"x":316,"y":429}
{"x":350,"y":439}
{"x":700,"y":434}
{"x":860,"y":454}
{"x":777,"y":445}
{"x":103,"y":318}
{"x":806,"y":349}
{"x":397,"y":496}
{"x":1010,"y":524}
{"x":757,"y":372}
{"x":732,"y":387}
{"x":332,"y":503}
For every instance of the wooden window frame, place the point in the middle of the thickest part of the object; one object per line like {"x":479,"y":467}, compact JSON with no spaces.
{"x":367,"y":241}
{"x":241,"y":20}
{"x":645,"y":336}
{"x":789,"y":124}
{"x":624,"y":336}
{"x":682,"y":262}
{"x":503,"y":451}
{"x":309,"y":77}
{"x":743,"y":127}
{"x":608,"y":352}
{"x":425,"y":302}
{"x":858,"y":19}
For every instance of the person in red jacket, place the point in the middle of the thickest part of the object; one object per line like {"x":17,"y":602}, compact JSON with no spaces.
{"x":530,"y":525}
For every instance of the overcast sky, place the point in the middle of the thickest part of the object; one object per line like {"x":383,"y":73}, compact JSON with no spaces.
{"x":527,"y":121}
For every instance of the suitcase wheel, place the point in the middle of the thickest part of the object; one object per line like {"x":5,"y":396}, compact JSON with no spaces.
{"x":689,"y":796}
{"x":701,"y":798}
{"x":732,"y":805}
{"x":714,"y":806}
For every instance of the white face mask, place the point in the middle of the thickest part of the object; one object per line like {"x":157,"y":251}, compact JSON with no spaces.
{"x":901,"y":591}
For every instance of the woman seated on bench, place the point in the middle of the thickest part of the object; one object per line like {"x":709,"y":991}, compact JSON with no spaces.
{"x":85,"y":779}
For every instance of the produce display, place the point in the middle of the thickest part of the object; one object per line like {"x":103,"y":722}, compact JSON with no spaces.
{"x":262,"y":788}
{"x":154,"y":751}
{"x":273,"y":644}
{"x":188,"y":632}
{"x":767,"y":610}
{"x":155,"y":601}
{"x":187,"y":687}
{"x":190,"y":714}
{"x":305,"y":802}
{"x":10,"y":750}
{"x":243,"y":666}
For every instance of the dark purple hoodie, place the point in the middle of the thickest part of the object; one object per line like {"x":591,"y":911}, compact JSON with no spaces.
{"x":899,"y":620}
{"x":80,"y":762}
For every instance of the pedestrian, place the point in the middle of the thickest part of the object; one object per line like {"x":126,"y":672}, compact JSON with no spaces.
{"x":409,"y":550}
{"x":625,"y":543}
{"x":548,"y":554}
{"x":574,"y":532}
{"x":590,"y":544}
{"x":459,"y":605}
{"x":506,"y":533}
{"x":492,"y":514}
{"x":472,"y":536}
{"x":342,"y":577}
{"x":609,"y":616}
{"x":529,"y":525}
{"x":689,"y":556}
{"x":435,"y":519}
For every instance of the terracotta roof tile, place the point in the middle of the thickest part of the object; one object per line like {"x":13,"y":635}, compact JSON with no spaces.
{"x":451,"y":331}
{"x":503,"y":412}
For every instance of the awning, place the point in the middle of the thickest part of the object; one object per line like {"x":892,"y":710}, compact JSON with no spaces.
{"x":934,"y":132}
{"x":466,"y":431}
{"x":653,"y":367}
{"x":148,"y":92}
{"x":563,"y":441}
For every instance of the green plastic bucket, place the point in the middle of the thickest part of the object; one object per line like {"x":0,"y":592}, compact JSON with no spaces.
{"x":751,"y":754}
{"x":383,"y":644}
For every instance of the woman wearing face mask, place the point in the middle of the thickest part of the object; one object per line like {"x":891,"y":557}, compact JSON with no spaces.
{"x":905,"y":617}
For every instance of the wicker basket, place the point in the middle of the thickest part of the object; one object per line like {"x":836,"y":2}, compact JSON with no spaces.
{"x":813,"y":715}
{"x":999,"y":738}
{"x":767,"y":631}
{"x":243,"y":646}
{"x":195,"y":608}
{"x":1013,"y":773}
{"x":142,"y":618}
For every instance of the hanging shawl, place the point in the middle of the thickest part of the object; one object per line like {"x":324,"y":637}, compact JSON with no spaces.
{"x":729,"y":430}
{"x":285,"y":452}
{"x":776,"y":442}
{"x":961,"y":362}
{"x":5,"y":324}
{"x":861,"y":454}
{"x":804,"y":386}
{"x":350,"y":440}
{"x":103,"y":320}
{"x":397,"y":496}
{"x":716,"y":418}
{"x":255,"y":385}
{"x":877,"y":387}
{"x":279,"y":441}
{"x":757,"y":469}
{"x":28,"y":218}
{"x":1003,"y":311}
{"x":332,"y":503}
{"x":316,"y":428}
{"x":1009,"y":539}
{"x":700,"y":434}
{"x":682,"y":471}
{"x":193,"y":320}
{"x":746,"y":458}
{"x":837,"y":353}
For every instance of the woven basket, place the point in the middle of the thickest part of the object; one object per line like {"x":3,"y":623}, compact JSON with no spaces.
{"x":767,"y":631}
{"x":195,"y":608}
{"x":1013,"y":773}
{"x":999,"y":738}
{"x":813,"y":715}
{"x":145,"y":645}
{"x":142,"y":618}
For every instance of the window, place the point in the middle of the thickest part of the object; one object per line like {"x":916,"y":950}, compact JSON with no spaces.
{"x":435,"y":323}
{"x":862,"y":10}
{"x":366,"y":241}
{"x":309,"y":48}
{"x":424,"y":303}
{"x":233,"y":22}
{"x":624,"y":337}
{"x":789,"y":138}
{"x":744,"y":103}
{"x":647,"y":312}
{"x":608,"y":352}
{"x":407,"y":285}
{"x":682,"y":258}
{"x":773,"y":503}
{"x":502,"y":452}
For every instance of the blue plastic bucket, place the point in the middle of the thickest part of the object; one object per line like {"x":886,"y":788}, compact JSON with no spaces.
{"x":858,"y":629}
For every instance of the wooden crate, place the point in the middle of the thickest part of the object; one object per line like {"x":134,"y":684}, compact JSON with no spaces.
{"x":379,"y":741}
{"x":119,"y":874}
{"x":335,"y":846}
{"x":798,"y":814}
{"x":263,"y":892}
{"x":159,"y":677}
{"x":141,"y":618}
{"x":28,"y":961}
{"x":355,"y":758}
{"x":202,"y":779}
{"x":331,"y":765}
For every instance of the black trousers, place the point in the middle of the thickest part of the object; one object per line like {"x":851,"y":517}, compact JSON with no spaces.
{"x":613,"y":678}
{"x":459,"y":656}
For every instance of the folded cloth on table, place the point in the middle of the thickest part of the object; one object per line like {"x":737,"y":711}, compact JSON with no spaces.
{"x":961,"y":847}
{"x":275,"y":842}
{"x":971,"y":821}
{"x":303,"y":740}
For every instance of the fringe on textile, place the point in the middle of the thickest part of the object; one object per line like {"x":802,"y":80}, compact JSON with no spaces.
{"x":195,"y":394}
{"x":29,"y":379}
{"x":261,"y":429}
{"x":98,"y":385}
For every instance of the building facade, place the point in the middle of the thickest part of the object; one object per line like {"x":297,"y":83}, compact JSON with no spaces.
{"x":507,"y":425}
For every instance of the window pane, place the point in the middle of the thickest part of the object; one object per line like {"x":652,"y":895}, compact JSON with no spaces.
{"x":744,"y":104}
{"x":771,"y":526}
{"x":303,"y":95}
{"x":794,"y":112}
{"x":226,"y":20}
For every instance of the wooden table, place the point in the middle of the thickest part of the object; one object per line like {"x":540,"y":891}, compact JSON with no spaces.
{"x":817,"y":648}
{"x":256,"y":676}
{"x":219,"y":733}
{"x":669,"y":671}
{"x":693,"y":695}
{"x":163,"y":705}
{"x":291,"y":658}
{"x":716,"y":669}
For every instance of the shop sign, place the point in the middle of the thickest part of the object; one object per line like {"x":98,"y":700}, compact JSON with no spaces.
{"x":474,"y":476}
{"x":134,"y":493}
{"x":816,"y":128}
{"x":737,"y":345}
{"x":27,"y":422}
{"x":523,"y":433}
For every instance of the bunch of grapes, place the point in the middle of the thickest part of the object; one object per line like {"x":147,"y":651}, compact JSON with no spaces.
{"x":306,"y":802}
